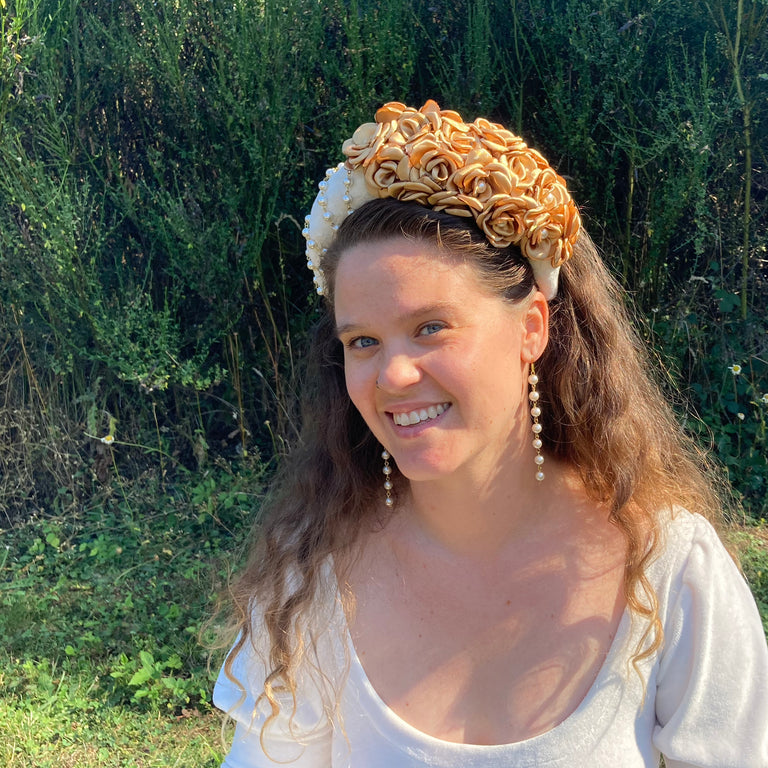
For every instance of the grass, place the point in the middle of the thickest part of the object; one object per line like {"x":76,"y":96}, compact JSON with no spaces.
{"x":101,"y":613}
{"x":40,"y":737}
{"x":751,"y":544}
{"x":101,"y":662}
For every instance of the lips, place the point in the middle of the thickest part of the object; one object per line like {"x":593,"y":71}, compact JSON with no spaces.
{"x":422,"y":414}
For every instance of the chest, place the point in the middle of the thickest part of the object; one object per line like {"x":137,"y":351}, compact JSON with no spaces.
{"x":485,"y":657}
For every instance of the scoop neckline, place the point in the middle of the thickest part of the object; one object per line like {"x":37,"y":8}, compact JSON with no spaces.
{"x":568,"y":732}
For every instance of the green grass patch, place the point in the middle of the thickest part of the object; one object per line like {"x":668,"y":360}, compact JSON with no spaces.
{"x":37,"y":734}
{"x":751,"y":542}
{"x":100,"y":620}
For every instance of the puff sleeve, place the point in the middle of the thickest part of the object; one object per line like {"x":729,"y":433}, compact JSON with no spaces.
{"x":712,"y":681}
{"x":302,"y":739}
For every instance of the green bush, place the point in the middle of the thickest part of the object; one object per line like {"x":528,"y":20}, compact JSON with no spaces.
{"x":156,"y":161}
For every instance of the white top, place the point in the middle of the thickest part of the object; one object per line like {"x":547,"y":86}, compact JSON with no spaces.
{"x":706,"y":702}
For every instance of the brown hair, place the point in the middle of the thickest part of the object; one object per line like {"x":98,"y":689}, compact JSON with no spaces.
{"x":602,"y":413}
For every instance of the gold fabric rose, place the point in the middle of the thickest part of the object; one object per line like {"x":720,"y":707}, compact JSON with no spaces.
{"x":480,"y":170}
{"x":368,"y":140}
{"x":434,"y":159}
{"x":381,"y":175}
{"x":418,"y":191}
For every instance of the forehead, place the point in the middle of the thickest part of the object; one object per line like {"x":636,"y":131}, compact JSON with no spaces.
{"x":398,"y":259}
{"x":403,"y":276}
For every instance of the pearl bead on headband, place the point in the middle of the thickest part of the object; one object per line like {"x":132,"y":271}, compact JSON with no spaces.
{"x":480,"y":170}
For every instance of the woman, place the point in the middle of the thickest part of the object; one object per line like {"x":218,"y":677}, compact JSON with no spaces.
{"x":492,"y":547}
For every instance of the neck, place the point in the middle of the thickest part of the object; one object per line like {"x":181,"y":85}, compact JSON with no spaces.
{"x":480,"y":516}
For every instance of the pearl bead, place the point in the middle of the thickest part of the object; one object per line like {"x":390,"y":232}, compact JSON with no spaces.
{"x":323,"y":185}
{"x":533,"y":396}
{"x":388,"y":485}
{"x":389,"y":501}
{"x":539,"y":475}
{"x":536,"y":428}
{"x":387,"y":470}
{"x":537,"y":444}
{"x":327,"y":216}
{"x":539,"y":460}
{"x":535,"y":411}
{"x":533,"y":379}
{"x":385,"y":455}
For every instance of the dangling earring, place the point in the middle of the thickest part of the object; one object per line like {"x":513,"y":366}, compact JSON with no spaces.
{"x":389,"y":501}
{"x":533,"y":396}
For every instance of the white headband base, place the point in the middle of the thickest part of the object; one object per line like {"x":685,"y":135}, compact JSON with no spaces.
{"x":341,"y":192}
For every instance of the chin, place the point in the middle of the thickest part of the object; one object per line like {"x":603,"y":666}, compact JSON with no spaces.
{"x":425,"y":470}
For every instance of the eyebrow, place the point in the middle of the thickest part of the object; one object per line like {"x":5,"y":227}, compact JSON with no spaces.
{"x":439,"y":307}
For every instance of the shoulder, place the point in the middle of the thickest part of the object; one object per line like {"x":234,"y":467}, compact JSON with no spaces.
{"x":684,"y":540}
{"x":693,"y":574}
{"x":713,"y":664}
{"x":318,"y":653}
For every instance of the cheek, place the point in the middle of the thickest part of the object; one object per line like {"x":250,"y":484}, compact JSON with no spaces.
{"x":357,"y":387}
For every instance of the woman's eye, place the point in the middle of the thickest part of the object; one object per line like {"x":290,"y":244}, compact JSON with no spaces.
{"x":430,"y":328}
{"x":362,"y":342}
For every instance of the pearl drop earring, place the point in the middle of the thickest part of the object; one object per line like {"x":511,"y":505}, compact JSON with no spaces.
{"x":389,"y":501}
{"x":533,"y":396}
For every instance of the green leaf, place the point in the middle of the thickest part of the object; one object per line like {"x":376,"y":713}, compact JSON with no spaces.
{"x":140,"y":677}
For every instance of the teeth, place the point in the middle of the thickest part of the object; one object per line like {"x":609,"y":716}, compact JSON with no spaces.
{"x":416,"y":417}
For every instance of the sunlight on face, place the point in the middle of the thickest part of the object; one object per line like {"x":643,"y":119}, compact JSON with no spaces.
{"x":435,"y":363}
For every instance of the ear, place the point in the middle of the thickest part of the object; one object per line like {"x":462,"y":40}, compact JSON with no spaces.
{"x":535,"y":328}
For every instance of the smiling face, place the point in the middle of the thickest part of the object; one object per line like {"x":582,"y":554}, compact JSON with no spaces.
{"x":435,"y":362}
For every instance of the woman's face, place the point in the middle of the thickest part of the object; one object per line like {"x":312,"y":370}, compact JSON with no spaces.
{"x":435,"y":362}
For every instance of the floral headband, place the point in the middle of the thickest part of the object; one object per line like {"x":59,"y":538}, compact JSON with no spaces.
{"x":480,"y":170}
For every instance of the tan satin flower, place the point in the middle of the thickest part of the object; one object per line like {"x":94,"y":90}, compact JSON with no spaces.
{"x":480,"y":169}
{"x":501,"y":220}
{"x":415,"y":191}
{"x":367,"y":141}
{"x":434,"y":158}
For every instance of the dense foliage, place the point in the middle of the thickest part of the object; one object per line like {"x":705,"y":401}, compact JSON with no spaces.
{"x":156,"y":161}
{"x":101,"y":617}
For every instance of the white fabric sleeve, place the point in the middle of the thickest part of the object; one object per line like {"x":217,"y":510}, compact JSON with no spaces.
{"x":712,"y":684}
{"x":301,"y":738}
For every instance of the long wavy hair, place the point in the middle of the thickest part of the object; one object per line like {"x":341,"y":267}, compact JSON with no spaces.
{"x":602,"y":413}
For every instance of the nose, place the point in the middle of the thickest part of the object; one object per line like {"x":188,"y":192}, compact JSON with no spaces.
{"x":398,"y":371}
